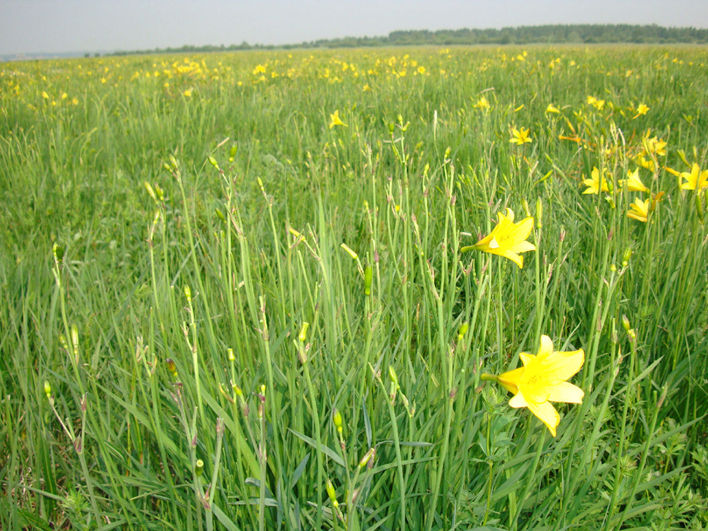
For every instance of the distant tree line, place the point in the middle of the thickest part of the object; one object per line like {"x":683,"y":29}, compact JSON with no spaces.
{"x":548,"y":34}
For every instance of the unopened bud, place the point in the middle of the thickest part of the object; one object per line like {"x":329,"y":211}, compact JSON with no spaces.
{"x":349,"y":251}
{"x":394,"y":377}
{"x":539,"y":213}
{"x":462,"y":331}
{"x":230,"y":354}
{"x":58,"y":252}
{"x":199,"y":467}
{"x":47,"y":389}
{"x":367,"y":457}
{"x":626,"y":257}
{"x":368,"y":276}
{"x":331,"y":493}
{"x":303,"y":332}
{"x":188,"y":293}
{"x":338,"y":421}
{"x":525,"y":204}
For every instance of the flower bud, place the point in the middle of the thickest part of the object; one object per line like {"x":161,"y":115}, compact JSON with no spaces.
{"x":171,"y":366}
{"x":331,"y":494}
{"x":370,"y":454}
{"x":368,"y":276}
{"x":462,"y":331}
{"x":303,"y":332}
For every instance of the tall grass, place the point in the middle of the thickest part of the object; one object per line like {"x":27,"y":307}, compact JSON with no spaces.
{"x":248,"y":319}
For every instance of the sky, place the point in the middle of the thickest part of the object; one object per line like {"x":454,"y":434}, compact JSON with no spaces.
{"x":57,"y":26}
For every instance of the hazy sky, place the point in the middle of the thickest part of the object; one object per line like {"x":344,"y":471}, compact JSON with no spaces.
{"x":54,"y":26}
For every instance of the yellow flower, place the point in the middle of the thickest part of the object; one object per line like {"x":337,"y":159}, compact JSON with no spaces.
{"x":598,"y":104}
{"x":552,"y":108}
{"x":694,"y":180}
{"x":187,"y":93}
{"x":633,"y":183}
{"x":654,"y":145}
{"x":595,"y":185}
{"x":335,"y":120}
{"x":520,"y":136}
{"x":482,"y":104}
{"x":508,"y":239}
{"x":642,"y":109}
{"x":639,"y":210}
{"x":542,"y":380}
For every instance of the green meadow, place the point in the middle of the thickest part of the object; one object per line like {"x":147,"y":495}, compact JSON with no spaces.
{"x":284,"y":290}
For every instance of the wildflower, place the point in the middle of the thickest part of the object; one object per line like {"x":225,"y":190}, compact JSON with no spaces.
{"x":633,"y":183}
{"x":542,"y":380}
{"x":694,"y":180}
{"x":520,"y":136}
{"x":335,"y":120}
{"x":187,"y":93}
{"x":595,"y":185}
{"x":552,"y":109}
{"x":482,"y":104}
{"x":598,"y":104}
{"x":639,"y":210}
{"x":508,"y":239}
{"x":642,"y":109}
{"x":654,"y":145}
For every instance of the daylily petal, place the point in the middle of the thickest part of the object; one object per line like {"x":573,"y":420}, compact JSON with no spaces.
{"x":560,"y":366}
{"x":547,"y":414}
{"x":526,"y":358}
{"x":546,"y":346}
{"x":510,"y":380}
{"x":518,"y":401}
{"x":523,"y":247}
{"x":565,"y":392}
{"x":517,"y":259}
{"x":523,"y":228}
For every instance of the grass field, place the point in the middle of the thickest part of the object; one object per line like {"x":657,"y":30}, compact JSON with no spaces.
{"x":246,"y":291}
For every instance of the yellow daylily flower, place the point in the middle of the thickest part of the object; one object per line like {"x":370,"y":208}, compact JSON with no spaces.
{"x":507,"y":239}
{"x":595,"y":185}
{"x":598,"y":104}
{"x":542,"y":380}
{"x":552,"y":108}
{"x":642,"y":109}
{"x":520,"y":136}
{"x":482,"y":104}
{"x":654,"y":145}
{"x":639,"y":210}
{"x":336,"y":120}
{"x":693,"y":180}
{"x":633,"y":183}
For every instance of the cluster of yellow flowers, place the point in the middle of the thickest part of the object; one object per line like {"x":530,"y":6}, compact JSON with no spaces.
{"x":640,"y":209}
{"x":543,"y":377}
